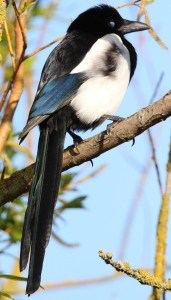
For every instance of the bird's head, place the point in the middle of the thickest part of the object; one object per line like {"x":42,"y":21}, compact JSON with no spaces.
{"x":104,"y":19}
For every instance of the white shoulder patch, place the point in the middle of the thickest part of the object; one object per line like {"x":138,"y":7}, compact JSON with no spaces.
{"x":107,"y":67}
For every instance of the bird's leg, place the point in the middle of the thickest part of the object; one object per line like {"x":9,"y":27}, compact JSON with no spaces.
{"x":77,"y":139}
{"x":115,"y":119}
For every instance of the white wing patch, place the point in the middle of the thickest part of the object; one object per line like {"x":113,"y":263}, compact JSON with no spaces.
{"x":103,"y":92}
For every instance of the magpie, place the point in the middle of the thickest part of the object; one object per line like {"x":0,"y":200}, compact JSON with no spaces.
{"x":82,"y":83}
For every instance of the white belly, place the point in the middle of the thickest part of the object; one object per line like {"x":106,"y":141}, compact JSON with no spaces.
{"x":102,"y":94}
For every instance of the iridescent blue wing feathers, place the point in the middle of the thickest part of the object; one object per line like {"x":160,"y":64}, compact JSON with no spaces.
{"x":56,"y":94}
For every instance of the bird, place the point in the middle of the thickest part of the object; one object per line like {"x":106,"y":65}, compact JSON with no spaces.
{"x":82,"y":84}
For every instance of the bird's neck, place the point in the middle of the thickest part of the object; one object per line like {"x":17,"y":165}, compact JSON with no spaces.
{"x":133,"y":56}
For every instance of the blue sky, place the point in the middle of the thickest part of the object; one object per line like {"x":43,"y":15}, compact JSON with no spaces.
{"x":111,"y":193}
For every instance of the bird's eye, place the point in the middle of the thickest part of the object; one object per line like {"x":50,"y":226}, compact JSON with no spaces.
{"x":111,"y":23}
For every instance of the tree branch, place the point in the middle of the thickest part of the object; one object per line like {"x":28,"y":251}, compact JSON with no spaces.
{"x":121,"y":132}
{"x":143,"y":276}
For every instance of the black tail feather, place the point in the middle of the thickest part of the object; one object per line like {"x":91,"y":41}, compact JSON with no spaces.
{"x":42,"y":199}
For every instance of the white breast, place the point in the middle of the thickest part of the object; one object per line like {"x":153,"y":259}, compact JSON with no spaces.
{"x":102,"y":94}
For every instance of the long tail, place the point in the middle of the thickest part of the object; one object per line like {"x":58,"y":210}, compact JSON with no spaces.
{"x":41,"y":203}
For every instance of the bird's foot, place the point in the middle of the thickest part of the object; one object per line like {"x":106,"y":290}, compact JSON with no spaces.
{"x":114,"y":119}
{"x":76,"y":140}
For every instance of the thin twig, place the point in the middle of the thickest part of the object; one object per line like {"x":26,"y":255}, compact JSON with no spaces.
{"x":142,"y":7}
{"x":151,"y":30}
{"x":88,"y":177}
{"x":20,"y":24}
{"x":168,"y":180}
{"x":151,"y":139}
{"x":143,"y":276}
{"x":9,"y":44}
{"x":42,"y":48}
{"x":157,"y":88}
{"x":19,"y":62}
{"x":155,"y":160}
{"x":62,"y":242}
{"x":5,"y":248}
{"x":2,"y":18}
{"x":3,"y":170}
{"x":46,"y":19}
{"x":7,"y":161}
{"x":9,"y":85}
{"x":127,"y":4}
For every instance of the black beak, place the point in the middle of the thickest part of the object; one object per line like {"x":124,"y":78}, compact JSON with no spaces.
{"x":132,"y":26}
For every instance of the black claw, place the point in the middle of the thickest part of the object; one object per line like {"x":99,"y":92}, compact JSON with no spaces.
{"x":91,"y":162}
{"x":133,"y":142}
{"x":108,"y":128}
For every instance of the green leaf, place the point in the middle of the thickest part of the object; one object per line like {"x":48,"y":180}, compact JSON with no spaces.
{"x":6,"y":295}
{"x":66,"y":180}
{"x":149,"y":2}
{"x":62,"y":242}
{"x":13,"y":277}
{"x":16,"y":278}
{"x":76,"y":203}
{"x":27,"y":6}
